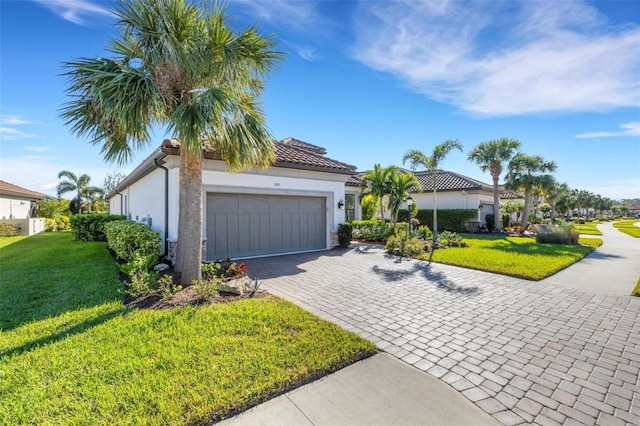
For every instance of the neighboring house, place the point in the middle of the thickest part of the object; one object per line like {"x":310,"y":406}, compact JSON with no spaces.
{"x":293,"y":206}
{"x":18,"y":206}
{"x":17,"y":202}
{"x":454,"y":191}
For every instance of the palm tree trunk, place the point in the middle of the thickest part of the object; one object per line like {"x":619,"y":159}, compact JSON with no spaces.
{"x":497,"y":224}
{"x":525,"y":213}
{"x":435,"y":212}
{"x":553,"y":211}
{"x":190,"y":232}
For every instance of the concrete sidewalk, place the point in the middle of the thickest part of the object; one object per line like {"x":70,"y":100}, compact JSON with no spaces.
{"x":613,"y":269}
{"x":380,"y":390}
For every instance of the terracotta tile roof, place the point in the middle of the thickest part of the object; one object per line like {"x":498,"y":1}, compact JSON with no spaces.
{"x":304,"y":145}
{"x":445,"y":181}
{"x":290,"y":153}
{"x":449,"y":181}
{"x":12,"y":190}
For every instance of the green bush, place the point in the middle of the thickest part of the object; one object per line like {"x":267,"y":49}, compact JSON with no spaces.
{"x":50,"y":225}
{"x":345,"y":233}
{"x":449,"y":219}
{"x":370,"y":230}
{"x":90,"y":227}
{"x":143,"y":279}
{"x":451,"y":239}
{"x":126,"y":237}
{"x":505,"y":220}
{"x":562,"y":233}
{"x":404,"y":244}
{"x":489,"y":220}
{"x":9,"y":229}
{"x":424,"y":232}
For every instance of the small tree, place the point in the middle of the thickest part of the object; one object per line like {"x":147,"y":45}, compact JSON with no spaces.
{"x":400,"y":186}
{"x":378,"y":184}
{"x":432,"y":163}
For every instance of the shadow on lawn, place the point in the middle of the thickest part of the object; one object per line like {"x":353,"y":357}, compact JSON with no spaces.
{"x":49,"y":274}
{"x":63,"y":333}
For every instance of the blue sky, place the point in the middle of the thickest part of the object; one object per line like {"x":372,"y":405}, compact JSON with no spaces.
{"x":370,"y":80}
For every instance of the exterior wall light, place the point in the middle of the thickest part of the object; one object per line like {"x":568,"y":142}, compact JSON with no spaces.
{"x":340,"y":204}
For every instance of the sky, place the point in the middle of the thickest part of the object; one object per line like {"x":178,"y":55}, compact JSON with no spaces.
{"x":368,"y":81}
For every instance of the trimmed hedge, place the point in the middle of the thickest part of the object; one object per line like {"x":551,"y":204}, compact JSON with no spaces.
{"x":450,"y":219}
{"x":90,"y":227}
{"x":126,"y":237}
{"x":9,"y":229}
{"x":345,"y":233}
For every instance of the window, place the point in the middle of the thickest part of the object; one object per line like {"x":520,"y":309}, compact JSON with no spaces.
{"x":350,"y":206}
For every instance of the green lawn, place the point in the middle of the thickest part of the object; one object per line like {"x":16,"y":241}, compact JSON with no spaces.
{"x":588,"y":228}
{"x":628,"y":227}
{"x":636,"y":290}
{"x":70,"y":353}
{"x":515,"y":256}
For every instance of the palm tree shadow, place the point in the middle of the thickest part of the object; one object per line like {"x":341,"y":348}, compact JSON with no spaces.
{"x":62,"y":334}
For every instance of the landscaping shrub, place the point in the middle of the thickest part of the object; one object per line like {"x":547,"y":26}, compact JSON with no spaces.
{"x":50,"y":225}
{"x":9,"y":229}
{"x":449,"y":219}
{"x":451,"y":239}
{"x":126,"y":237}
{"x":90,"y":227}
{"x":424,"y":232}
{"x":345,"y":233}
{"x":404,"y":244}
{"x":562,"y":233}
{"x":370,"y":230}
{"x":62,"y":223}
{"x":505,"y":219}
{"x":143,"y":279}
{"x":489,"y":221}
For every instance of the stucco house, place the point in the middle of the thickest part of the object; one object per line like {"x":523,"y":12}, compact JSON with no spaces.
{"x":455,"y":191}
{"x":293,"y":206}
{"x":18,"y":206}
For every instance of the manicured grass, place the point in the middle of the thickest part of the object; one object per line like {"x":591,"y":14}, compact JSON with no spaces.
{"x":636,"y":290}
{"x":588,"y":228}
{"x":628,"y":227}
{"x":514,"y":256}
{"x":90,"y":360}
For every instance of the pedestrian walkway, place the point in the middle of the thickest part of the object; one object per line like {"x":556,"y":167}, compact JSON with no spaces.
{"x":612,"y":269}
{"x":380,"y":390}
{"x":524,"y":352}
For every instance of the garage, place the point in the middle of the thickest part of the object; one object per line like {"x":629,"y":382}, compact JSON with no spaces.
{"x":245,"y":225}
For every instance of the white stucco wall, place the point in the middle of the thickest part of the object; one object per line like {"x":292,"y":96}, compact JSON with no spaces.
{"x":14,"y":208}
{"x":143,"y":200}
{"x":146,"y":196}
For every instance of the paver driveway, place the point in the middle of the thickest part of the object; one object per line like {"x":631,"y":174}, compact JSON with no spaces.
{"x":522,"y":351}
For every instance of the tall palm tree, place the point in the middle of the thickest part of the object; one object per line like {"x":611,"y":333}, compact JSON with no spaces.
{"x":525,"y":172}
{"x":78,"y":184}
{"x":432,"y":163}
{"x":553,"y":194}
{"x":179,"y":65}
{"x":491,"y":157}
{"x":400,"y":185}
{"x":378,"y":184}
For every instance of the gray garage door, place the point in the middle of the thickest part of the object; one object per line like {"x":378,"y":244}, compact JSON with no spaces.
{"x":255,"y":225}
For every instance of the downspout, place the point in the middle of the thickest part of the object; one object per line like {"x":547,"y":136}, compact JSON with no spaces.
{"x":166,"y":205}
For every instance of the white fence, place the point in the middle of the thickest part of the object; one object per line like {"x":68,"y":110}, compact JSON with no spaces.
{"x":27,"y":226}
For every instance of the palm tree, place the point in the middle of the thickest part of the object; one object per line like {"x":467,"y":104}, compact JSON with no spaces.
{"x":491,"y":156}
{"x":553,"y":194}
{"x":378,"y":184}
{"x":431,"y":163}
{"x":78,"y":184}
{"x":399,"y":188}
{"x":525,"y":173}
{"x":181,"y":66}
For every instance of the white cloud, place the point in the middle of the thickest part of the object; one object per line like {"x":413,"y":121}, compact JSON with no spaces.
{"x":501,"y":59}
{"x":10,"y":134}
{"x":629,"y":129}
{"x":295,"y":14}
{"x":38,"y":148}
{"x":13,"y":119}
{"x":76,"y":11}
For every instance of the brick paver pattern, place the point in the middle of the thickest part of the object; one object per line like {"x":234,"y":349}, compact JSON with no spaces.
{"x":522,"y":351}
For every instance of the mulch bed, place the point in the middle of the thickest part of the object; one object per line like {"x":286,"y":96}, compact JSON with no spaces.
{"x":187,"y":296}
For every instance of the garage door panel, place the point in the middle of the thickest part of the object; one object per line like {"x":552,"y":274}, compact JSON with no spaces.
{"x":251,"y":225}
